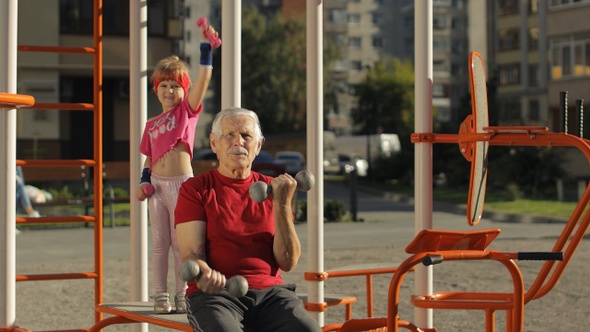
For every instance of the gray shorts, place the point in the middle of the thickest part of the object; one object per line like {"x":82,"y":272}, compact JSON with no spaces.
{"x":271,"y":309}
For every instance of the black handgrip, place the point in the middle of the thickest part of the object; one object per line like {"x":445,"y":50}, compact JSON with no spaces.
{"x":432,"y":260}
{"x":540,"y":256}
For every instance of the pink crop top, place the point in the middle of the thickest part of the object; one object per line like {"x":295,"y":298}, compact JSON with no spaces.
{"x":163,"y":132}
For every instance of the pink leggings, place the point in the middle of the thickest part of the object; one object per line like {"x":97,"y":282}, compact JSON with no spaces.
{"x":161,"y":212}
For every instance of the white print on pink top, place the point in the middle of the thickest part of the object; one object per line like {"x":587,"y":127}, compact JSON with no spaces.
{"x":167,"y":123}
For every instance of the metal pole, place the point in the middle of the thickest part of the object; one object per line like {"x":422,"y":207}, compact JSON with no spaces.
{"x":353,"y":193}
{"x":231,"y":53}
{"x":8,"y":64}
{"x":315,"y":151}
{"x":137,"y":119}
{"x":423,"y":151}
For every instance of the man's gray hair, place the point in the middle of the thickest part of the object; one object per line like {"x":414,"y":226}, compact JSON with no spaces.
{"x":235,"y":111}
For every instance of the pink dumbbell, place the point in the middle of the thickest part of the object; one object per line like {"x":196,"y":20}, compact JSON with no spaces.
{"x":213,"y":39}
{"x":149,"y":189}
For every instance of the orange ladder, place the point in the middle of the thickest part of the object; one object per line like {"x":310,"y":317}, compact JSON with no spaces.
{"x":96,"y":162}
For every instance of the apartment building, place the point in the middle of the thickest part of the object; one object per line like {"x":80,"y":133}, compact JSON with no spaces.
{"x":519,"y":60}
{"x":568,"y":58}
{"x":51,"y":77}
{"x":542,"y":48}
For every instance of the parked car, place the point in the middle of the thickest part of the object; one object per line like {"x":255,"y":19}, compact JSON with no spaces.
{"x":204,"y":160}
{"x":264,"y":163}
{"x":343,"y":163}
{"x":294,"y":161}
{"x":205,"y":154}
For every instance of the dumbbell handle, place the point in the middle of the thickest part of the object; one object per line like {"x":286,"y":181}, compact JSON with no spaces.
{"x":236,"y":286}
{"x":260,"y":190}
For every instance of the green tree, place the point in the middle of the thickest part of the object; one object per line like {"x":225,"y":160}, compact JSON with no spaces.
{"x":386,"y":104}
{"x":274,"y":70}
{"x":386,"y":98}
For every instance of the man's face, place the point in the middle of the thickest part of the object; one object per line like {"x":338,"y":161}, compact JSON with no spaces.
{"x":238,"y":145}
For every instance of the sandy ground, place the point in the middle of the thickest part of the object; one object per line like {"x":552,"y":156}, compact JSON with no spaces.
{"x":69,"y":304}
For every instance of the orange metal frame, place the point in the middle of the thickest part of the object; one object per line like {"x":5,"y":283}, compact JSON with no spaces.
{"x":353,"y":271}
{"x":9,"y":100}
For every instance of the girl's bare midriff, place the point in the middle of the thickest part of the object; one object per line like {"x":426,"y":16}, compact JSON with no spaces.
{"x":174,"y":163}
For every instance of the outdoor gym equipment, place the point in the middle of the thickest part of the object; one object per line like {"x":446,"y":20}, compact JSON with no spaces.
{"x":437,"y":246}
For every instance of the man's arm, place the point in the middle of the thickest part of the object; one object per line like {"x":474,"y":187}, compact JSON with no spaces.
{"x":191,"y":237}
{"x":286,"y":245}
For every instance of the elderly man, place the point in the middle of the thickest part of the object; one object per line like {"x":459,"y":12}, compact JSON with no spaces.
{"x":227,"y":233}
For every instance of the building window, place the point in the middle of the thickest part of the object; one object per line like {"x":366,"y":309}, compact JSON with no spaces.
{"x":440,"y":22}
{"x":336,"y":16}
{"x":354,"y":42}
{"x":443,"y":114}
{"x":509,"y":74}
{"x":75,"y":17}
{"x":354,"y":18}
{"x":356,"y":65}
{"x":533,"y":75}
{"x":533,"y":39}
{"x":377,"y":19}
{"x":40,"y":116}
{"x":441,"y":3}
{"x":440,"y":44}
{"x":570,"y":58}
{"x":510,"y":109}
{"x":336,"y":38}
{"x":508,"y":40}
{"x":579,"y":64}
{"x":533,"y":6}
{"x":438,"y":90}
{"x":534,"y":110}
{"x":508,"y":7}
{"x":564,"y":3}
{"x":440,"y":66}
{"x":377,"y":42}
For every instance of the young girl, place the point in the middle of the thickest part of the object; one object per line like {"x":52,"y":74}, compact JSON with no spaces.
{"x":167,"y":142}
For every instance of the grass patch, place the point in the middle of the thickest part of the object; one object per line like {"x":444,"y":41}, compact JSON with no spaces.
{"x":493,"y":201}
{"x":535,"y":207}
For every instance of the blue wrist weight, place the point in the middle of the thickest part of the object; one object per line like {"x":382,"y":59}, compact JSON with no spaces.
{"x":206,"y":54}
{"x":145,"y":176}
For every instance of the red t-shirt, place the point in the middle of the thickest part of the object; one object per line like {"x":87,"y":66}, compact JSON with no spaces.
{"x":240,"y":232}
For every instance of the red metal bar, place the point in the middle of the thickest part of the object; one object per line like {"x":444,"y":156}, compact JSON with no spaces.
{"x":56,"y":49}
{"x":57,"y":276}
{"x":64,"y":106}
